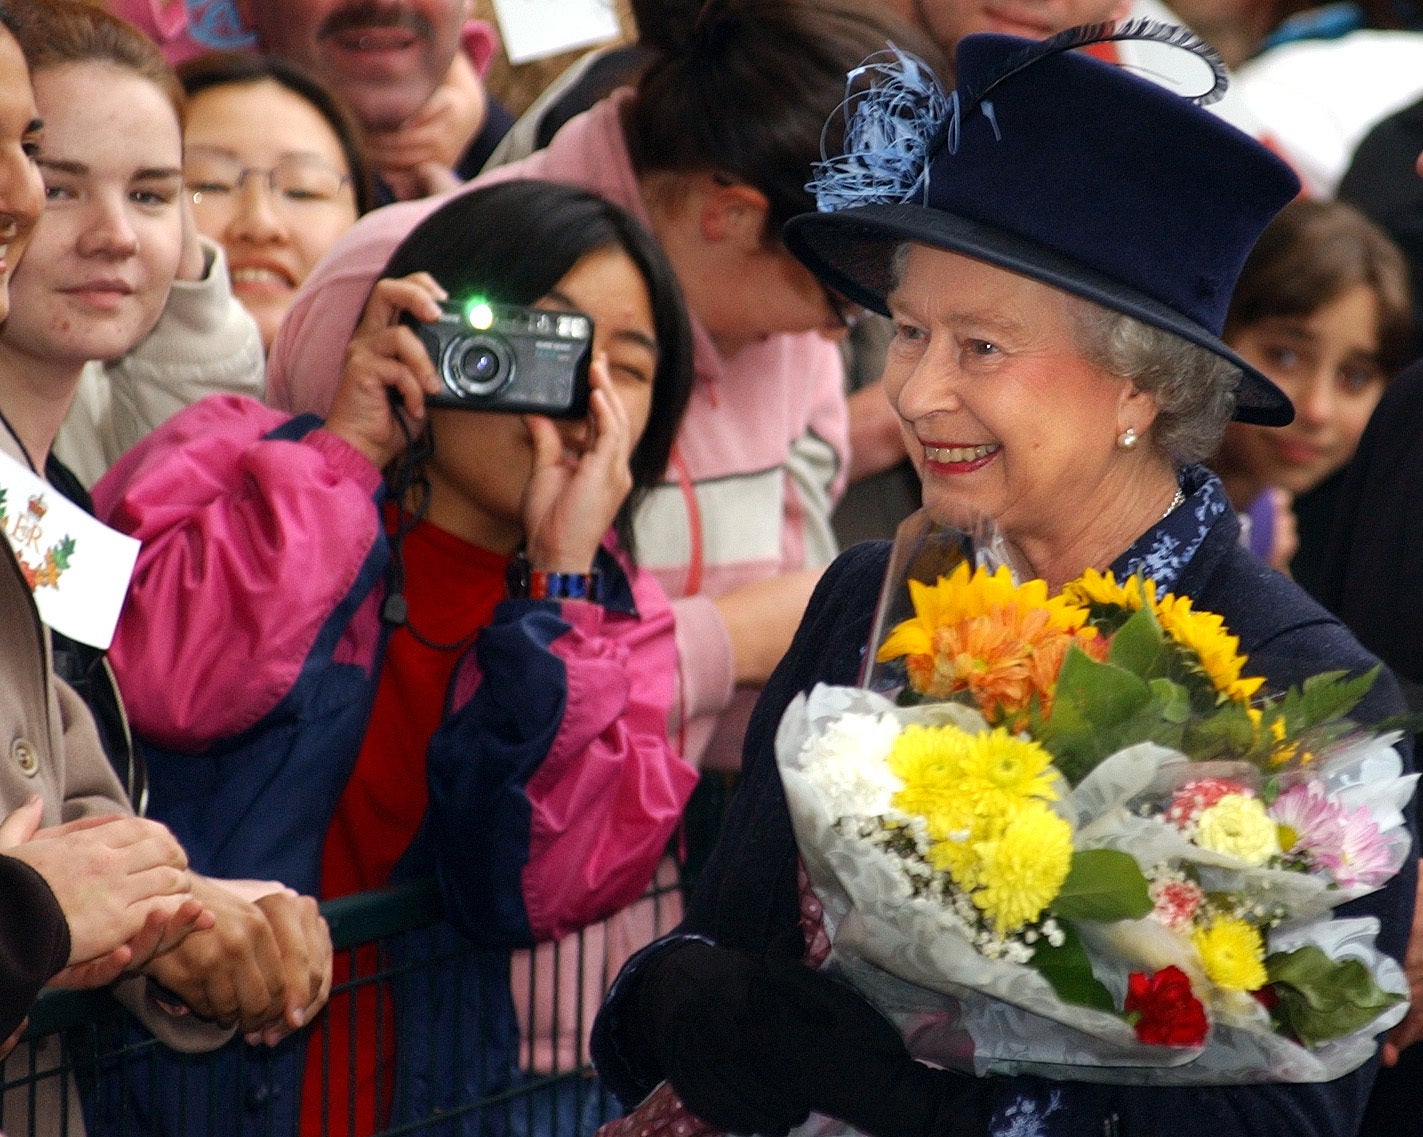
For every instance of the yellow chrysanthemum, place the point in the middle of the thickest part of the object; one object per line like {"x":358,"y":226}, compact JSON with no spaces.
{"x":999,"y":768}
{"x":1205,"y":634}
{"x":957,"y":855}
{"x":978,"y":632}
{"x":1022,"y":871}
{"x":929,"y":761}
{"x":1233,"y":954}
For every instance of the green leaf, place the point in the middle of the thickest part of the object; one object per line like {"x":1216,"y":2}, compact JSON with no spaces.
{"x":1139,"y":645}
{"x":1173,"y":700}
{"x":63,"y":551}
{"x":1321,"y":998}
{"x":1226,"y":732}
{"x":1323,"y":698}
{"x":1103,"y":885}
{"x":1069,"y":971}
{"x":1100,"y":693}
{"x":1409,"y":723}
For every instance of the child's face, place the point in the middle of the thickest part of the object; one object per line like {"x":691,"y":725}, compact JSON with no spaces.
{"x":1327,"y":363}
{"x":483,"y":460}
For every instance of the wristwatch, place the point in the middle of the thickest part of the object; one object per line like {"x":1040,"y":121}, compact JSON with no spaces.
{"x":527,"y":583}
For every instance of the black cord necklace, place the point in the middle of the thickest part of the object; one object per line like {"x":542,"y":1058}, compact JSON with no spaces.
{"x":406,"y":480}
{"x":23,"y":450}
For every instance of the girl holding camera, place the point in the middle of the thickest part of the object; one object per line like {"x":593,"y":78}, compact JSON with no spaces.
{"x":379,"y":680}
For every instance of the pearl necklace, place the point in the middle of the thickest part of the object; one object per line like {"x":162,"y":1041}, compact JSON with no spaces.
{"x":1176,"y":502}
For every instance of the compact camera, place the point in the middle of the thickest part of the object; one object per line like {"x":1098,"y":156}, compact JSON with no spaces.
{"x":504,"y":357}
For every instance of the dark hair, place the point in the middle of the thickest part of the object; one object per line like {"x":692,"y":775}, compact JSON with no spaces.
{"x":7,"y":20}
{"x":747,"y":89}
{"x":53,"y":32}
{"x":665,"y":25}
{"x":514,"y":241}
{"x":235,"y":68}
{"x":1311,"y":253}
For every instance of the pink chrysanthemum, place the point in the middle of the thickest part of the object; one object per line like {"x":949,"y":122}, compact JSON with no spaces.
{"x":1309,"y":822}
{"x":1325,"y":835}
{"x":1363,"y":854}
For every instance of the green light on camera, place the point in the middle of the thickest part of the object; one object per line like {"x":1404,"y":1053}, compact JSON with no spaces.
{"x":479,"y":315}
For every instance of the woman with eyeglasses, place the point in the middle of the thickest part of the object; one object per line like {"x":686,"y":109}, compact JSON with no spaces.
{"x":277,"y":197}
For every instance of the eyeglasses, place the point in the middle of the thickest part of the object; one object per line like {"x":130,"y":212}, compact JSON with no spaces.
{"x":297,"y":182}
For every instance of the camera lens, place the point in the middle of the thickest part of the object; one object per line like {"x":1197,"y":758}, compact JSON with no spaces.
{"x":480,"y":366}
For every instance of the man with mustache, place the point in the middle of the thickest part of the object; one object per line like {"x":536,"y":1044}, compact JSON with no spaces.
{"x":388,"y":59}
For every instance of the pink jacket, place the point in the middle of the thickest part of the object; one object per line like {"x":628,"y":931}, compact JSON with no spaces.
{"x":759,"y":460}
{"x":250,"y":545}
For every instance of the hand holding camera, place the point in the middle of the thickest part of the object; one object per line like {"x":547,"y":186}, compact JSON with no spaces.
{"x":386,"y":365}
{"x":415,"y":348}
{"x":581,"y":478}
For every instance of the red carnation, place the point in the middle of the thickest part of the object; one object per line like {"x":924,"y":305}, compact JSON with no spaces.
{"x":1163,"y":1009}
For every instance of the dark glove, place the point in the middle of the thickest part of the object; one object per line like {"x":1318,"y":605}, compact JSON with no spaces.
{"x":753,"y":1045}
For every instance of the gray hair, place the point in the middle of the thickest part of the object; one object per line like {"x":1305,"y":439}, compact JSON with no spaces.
{"x":1194,"y":389}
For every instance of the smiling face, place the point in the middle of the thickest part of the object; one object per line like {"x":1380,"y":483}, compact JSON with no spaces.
{"x":1002,"y":414}
{"x":1328,"y":364}
{"x":383,"y":57}
{"x":106,"y":250}
{"x":21,"y":191}
{"x":483,"y":460}
{"x":272,"y":238}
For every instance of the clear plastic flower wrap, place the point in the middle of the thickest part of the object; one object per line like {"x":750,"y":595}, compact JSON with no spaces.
{"x":1068,"y":835}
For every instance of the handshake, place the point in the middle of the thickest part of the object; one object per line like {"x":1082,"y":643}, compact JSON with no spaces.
{"x":249,"y":955}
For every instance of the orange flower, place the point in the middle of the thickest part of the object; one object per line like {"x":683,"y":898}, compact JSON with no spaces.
{"x":1001,"y":644}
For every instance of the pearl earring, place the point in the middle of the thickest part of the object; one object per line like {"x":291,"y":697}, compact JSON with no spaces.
{"x":1127,"y":439}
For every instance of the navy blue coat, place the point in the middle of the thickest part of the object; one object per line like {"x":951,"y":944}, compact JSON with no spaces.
{"x":747,"y":896}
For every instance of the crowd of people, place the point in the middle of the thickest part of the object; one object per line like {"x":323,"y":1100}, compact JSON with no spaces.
{"x":386,"y":623}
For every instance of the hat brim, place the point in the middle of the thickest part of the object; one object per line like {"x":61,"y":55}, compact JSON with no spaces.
{"x":852,"y":251}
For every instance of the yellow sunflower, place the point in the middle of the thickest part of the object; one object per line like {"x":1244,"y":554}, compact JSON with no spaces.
{"x":1205,"y":634}
{"x":1202,"y":633}
{"x":1102,"y":590}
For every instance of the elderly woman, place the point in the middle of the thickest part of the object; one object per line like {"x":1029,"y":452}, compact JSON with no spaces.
{"x":1057,"y":260}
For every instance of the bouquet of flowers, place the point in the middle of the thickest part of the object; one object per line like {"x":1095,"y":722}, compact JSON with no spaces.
{"x":1073,"y":839}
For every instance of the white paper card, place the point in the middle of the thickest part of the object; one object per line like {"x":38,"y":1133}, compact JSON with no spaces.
{"x":533,"y":29}
{"x":77,"y":567}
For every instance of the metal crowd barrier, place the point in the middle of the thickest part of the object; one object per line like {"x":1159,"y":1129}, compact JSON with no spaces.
{"x":74,"y":1037}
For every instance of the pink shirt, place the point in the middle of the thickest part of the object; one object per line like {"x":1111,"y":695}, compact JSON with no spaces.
{"x":759,"y":460}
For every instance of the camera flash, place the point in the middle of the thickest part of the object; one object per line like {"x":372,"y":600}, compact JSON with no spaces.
{"x":479,"y":315}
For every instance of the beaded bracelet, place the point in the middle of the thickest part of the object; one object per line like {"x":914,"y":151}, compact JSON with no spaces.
{"x":527,"y":583}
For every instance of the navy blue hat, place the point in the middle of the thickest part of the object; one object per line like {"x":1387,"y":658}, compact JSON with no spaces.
{"x":1054,"y":164}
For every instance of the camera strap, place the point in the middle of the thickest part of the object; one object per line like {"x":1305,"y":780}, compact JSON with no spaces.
{"x":406,"y":479}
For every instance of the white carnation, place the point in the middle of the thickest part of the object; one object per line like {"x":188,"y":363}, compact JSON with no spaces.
{"x":846,"y":764}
